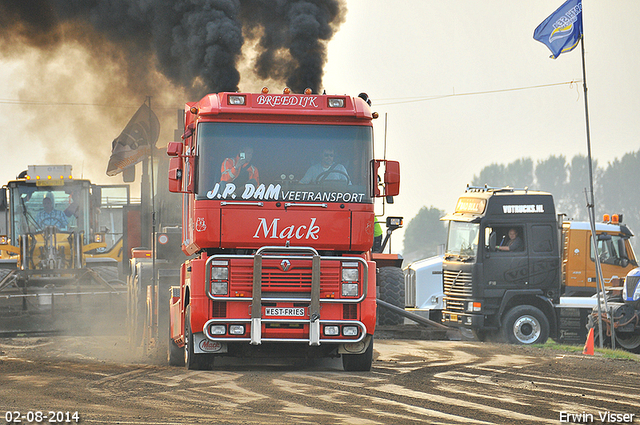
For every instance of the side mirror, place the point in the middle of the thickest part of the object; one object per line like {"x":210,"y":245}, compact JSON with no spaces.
{"x":392,"y":178}
{"x":492,"y":241}
{"x":175,"y":174}
{"x":175,"y":148}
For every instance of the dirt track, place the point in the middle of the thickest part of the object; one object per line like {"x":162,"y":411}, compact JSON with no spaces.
{"x":439,"y":382}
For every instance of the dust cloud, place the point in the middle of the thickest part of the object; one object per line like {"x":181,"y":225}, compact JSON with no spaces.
{"x":85,"y":66}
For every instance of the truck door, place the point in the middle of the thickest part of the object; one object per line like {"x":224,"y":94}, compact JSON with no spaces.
{"x":504,"y":268}
{"x":544,"y":258}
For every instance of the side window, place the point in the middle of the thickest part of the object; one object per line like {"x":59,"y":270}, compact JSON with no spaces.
{"x":542,"y":238}
{"x":509,"y":238}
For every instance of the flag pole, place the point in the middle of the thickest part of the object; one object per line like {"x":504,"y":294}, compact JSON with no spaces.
{"x":591,"y":203}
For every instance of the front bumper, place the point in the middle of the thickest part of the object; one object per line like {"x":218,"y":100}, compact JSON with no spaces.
{"x":459,"y":320}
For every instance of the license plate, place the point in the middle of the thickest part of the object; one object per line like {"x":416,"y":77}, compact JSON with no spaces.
{"x":283,"y":311}
{"x":454,"y":317}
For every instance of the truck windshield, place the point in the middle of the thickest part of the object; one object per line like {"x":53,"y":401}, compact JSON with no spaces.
{"x":35,"y":207}
{"x":283,"y":162}
{"x":613,"y":250}
{"x":462,"y":239}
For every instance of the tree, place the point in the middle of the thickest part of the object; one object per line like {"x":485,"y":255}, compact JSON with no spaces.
{"x":569,"y":184}
{"x":551,"y":176}
{"x":520,"y":173}
{"x":575,"y":199}
{"x":616,"y":191}
{"x":491,"y":175}
{"x":423,"y":234}
{"x":517,"y":174}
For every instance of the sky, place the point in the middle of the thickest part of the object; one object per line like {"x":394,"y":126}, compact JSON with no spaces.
{"x":461,"y":84}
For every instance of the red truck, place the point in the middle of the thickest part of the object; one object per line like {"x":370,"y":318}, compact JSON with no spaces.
{"x":278,"y":216}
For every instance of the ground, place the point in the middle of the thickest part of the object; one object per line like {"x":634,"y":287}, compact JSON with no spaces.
{"x":412,"y":381}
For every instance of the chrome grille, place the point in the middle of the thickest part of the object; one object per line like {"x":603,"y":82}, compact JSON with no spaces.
{"x":296,"y":279}
{"x":457,"y":284}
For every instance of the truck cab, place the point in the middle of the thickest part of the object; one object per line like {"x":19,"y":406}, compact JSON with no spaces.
{"x":278,"y":212}
{"x":614,"y":250}
{"x":509,"y":258}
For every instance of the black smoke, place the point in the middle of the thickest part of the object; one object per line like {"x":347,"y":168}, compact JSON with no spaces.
{"x":195,"y":44}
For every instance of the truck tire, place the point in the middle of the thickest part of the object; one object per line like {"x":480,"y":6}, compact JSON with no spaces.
{"x":630,"y":342}
{"x":175,"y":354}
{"x":525,"y":324}
{"x":391,"y":290}
{"x":359,"y":362}
{"x":191,"y":359}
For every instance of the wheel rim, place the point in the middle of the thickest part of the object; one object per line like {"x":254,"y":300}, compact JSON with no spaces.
{"x":526,"y":329}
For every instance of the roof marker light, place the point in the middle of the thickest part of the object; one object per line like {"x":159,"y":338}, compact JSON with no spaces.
{"x":236,"y":99}
{"x":265,"y":90}
{"x":308,"y":91}
{"x":336,"y":102}
{"x":286,"y":90}
{"x":194,"y":110}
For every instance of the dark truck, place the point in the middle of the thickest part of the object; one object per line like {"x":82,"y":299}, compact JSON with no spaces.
{"x":541,"y":289}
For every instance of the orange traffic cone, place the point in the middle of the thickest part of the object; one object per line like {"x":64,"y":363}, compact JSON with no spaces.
{"x":588,"y":346}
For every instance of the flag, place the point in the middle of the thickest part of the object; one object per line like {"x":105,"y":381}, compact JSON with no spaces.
{"x":135,"y":141}
{"x":562,"y":30}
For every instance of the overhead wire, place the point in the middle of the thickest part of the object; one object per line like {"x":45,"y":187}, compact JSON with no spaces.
{"x":394,"y":101}
{"x":380,"y":102}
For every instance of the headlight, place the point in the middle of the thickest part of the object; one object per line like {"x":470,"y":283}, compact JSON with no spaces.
{"x":350,"y":275}
{"x":236,"y":329}
{"x":219,"y":287}
{"x":217,"y":330}
{"x":350,"y":331}
{"x":350,"y":272}
{"x":636,"y":294}
{"x":331,"y":330}
{"x":219,"y":273}
{"x":235,"y":99}
{"x":349,"y":289}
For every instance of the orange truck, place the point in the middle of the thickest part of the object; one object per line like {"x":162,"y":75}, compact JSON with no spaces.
{"x":278,"y":195}
{"x":513,"y":270}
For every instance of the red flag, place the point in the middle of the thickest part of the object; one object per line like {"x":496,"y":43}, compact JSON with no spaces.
{"x":135,"y":141}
